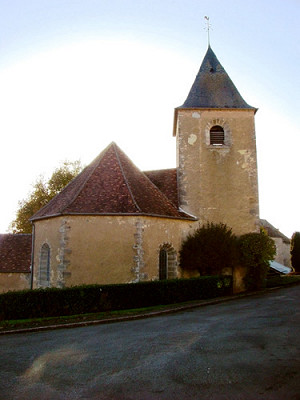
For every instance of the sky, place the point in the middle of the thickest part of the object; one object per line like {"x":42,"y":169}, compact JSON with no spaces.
{"x":76,"y":75}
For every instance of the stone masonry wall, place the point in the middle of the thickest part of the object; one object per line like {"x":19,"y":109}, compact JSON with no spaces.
{"x":218,"y":183}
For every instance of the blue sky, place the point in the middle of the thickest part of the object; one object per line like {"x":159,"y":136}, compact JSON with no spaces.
{"x":76,"y":75}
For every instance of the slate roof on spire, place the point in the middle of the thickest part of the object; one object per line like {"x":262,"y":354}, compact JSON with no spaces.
{"x":213,"y":88}
{"x":111,"y":185}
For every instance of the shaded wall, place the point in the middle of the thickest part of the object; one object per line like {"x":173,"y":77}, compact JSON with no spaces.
{"x":14,"y":281}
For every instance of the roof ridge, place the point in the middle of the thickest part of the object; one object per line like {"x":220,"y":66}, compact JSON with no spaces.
{"x":15,"y":234}
{"x":77,"y":193}
{"x":267,"y":225}
{"x":161,"y":192}
{"x":115,"y":147}
{"x":111,"y":185}
{"x":82,"y":185}
{"x":170,"y":203}
{"x":158,"y":170}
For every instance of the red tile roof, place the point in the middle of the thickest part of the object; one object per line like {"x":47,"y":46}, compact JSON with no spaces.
{"x":111,"y":184}
{"x":166,"y":181}
{"x":15,"y":252}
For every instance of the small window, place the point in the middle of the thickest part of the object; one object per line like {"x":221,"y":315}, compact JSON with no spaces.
{"x":167,"y":262}
{"x":163,"y":264}
{"x":217,"y":135}
{"x":44,"y":272}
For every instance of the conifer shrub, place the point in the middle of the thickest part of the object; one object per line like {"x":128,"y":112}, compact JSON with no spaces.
{"x":256,"y":250}
{"x":209,"y":249}
{"x":295,"y":251}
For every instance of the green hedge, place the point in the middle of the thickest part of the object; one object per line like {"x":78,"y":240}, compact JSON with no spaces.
{"x":52,"y":302}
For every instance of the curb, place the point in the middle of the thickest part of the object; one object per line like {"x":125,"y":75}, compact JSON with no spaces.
{"x":137,"y":316}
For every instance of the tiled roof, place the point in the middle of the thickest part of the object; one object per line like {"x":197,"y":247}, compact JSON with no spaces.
{"x":213,"y":88}
{"x":272,"y":231}
{"x":166,"y":181}
{"x":111,"y":184}
{"x":15,"y":252}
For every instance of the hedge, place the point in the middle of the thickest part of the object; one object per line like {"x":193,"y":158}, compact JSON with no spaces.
{"x":52,"y":302}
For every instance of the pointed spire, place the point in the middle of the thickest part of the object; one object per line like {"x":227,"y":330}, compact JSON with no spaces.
{"x":213,"y":88}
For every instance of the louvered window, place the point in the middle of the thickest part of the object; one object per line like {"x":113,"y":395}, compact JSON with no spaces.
{"x":217,"y":135}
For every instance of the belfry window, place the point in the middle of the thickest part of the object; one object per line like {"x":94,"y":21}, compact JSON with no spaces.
{"x":217,"y":135}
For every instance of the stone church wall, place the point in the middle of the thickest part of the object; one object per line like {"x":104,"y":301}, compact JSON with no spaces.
{"x":218,"y":183}
{"x":47,"y":231}
{"x":106,"y":249}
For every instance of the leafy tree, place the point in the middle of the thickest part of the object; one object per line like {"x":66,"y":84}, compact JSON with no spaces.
{"x":43,"y":191}
{"x":256,"y":251}
{"x":210,"y":249}
{"x":295,"y":251}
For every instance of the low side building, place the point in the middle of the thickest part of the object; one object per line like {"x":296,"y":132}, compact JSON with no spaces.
{"x":282,"y":243}
{"x":15,"y":260}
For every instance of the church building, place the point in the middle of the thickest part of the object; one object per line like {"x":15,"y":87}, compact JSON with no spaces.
{"x":116,"y":224}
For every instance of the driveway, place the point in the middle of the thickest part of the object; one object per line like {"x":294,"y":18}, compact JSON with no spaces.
{"x":243,"y":349}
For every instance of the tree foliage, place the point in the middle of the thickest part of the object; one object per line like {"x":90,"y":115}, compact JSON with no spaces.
{"x":256,"y":250}
{"x":213,"y":247}
{"x":42,"y":192}
{"x":295,"y":251}
{"x":210,"y":249}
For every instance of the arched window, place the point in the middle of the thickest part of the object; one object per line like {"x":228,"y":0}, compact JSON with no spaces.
{"x":44,"y":271}
{"x":163,"y":264}
{"x":167,"y":262}
{"x":217,"y":136}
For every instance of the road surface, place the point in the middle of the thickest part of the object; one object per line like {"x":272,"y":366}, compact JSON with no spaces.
{"x":239,"y":350}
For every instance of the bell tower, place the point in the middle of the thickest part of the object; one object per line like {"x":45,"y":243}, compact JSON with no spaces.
{"x":216,"y":151}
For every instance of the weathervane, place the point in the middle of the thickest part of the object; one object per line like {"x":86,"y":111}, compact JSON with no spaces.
{"x":207,"y":28}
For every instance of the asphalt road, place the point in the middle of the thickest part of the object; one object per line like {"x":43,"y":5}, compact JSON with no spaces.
{"x":242,"y":349}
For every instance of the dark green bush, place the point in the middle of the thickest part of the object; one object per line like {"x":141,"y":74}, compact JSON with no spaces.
{"x":210,"y":249}
{"x":280,"y":280}
{"x":256,"y":251}
{"x":295,"y":251}
{"x":52,"y":302}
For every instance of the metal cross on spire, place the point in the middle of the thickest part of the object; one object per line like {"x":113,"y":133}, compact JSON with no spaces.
{"x":207,"y":28}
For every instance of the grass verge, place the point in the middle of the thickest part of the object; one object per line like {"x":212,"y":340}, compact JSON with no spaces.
{"x":36,"y":322}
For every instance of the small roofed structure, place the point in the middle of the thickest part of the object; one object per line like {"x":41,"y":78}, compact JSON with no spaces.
{"x":15,"y":261}
{"x":282,"y":243}
{"x":278,"y":269}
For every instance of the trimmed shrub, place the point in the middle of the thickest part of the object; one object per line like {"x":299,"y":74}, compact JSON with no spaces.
{"x":52,"y":302}
{"x":210,"y":249}
{"x":256,"y":252}
{"x":295,"y":251}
